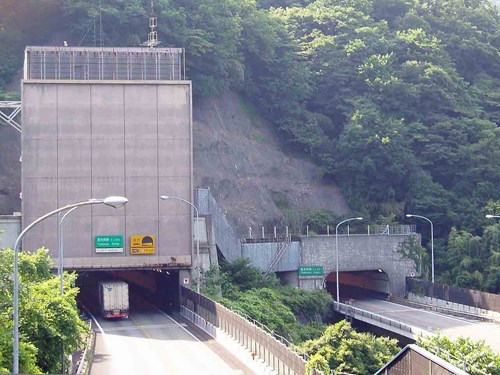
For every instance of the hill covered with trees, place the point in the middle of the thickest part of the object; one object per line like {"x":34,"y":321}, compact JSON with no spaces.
{"x":396,"y":100}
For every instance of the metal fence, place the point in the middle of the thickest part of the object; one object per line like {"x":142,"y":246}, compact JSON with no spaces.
{"x":282,"y":234}
{"x":92,"y":63}
{"x":274,"y":350}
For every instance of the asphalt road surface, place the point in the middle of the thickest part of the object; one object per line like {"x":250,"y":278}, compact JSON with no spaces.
{"x":450,"y":326}
{"x":152,"y":342}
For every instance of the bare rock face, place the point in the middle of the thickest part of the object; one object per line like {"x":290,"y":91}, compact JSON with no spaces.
{"x":238,"y":157}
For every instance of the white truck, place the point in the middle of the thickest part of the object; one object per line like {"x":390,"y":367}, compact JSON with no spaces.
{"x":113,"y":299}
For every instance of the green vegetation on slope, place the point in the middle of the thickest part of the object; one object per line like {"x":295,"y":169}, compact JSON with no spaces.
{"x":294,"y":314}
{"x":396,"y":100}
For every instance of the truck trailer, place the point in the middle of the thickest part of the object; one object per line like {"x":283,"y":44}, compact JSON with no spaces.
{"x":113,"y":299}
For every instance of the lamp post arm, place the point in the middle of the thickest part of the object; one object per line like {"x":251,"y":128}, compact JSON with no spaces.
{"x":337,"y":255}
{"x":165,"y":197}
{"x":15,"y":354}
{"x":61,"y":245}
{"x":432,"y":241}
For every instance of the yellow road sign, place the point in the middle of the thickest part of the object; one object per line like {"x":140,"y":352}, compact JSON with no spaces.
{"x":142,"y":244}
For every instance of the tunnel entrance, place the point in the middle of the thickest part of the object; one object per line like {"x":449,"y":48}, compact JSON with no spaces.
{"x":358,"y":284}
{"x":158,"y":287}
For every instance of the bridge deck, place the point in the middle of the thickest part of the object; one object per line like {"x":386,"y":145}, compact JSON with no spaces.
{"x":434,"y":322}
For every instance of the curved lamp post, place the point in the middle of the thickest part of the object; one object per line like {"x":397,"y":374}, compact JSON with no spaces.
{"x":165,"y":197}
{"x":432,"y":241}
{"x":337,"y":251}
{"x":113,"y":201}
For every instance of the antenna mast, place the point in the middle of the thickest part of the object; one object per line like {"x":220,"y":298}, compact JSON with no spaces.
{"x":153,"y":34}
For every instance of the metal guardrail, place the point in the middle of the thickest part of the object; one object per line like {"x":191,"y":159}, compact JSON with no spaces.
{"x":204,"y":324}
{"x":83,"y":366}
{"x":352,"y":311}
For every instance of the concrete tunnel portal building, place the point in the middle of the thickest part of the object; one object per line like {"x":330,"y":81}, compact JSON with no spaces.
{"x":99,"y":122}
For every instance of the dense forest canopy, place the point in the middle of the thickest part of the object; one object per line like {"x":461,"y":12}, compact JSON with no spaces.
{"x":398,"y":101}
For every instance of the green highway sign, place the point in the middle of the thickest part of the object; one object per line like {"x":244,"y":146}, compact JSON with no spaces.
{"x":310,"y":270}
{"x":108,"y":244}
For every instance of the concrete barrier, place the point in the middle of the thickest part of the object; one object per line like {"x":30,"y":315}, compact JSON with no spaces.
{"x":453,"y":307}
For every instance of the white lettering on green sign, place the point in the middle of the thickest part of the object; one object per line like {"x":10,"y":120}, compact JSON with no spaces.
{"x":108,"y":242}
{"x":310,"y":270}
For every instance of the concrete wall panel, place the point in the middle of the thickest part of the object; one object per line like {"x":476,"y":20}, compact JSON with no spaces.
{"x":141,"y":116}
{"x":39,"y":193}
{"x":175,"y":187}
{"x":44,"y":234}
{"x":73,"y":111}
{"x":170,"y":227}
{"x":73,"y":189}
{"x":74,"y":158}
{"x":141,"y":157}
{"x":175,"y":157}
{"x":77,"y":235}
{"x":143,"y":196}
{"x":39,"y":112}
{"x":42,"y":160}
{"x":174,"y":112}
{"x":108,"y":158}
{"x":103,"y":137}
{"x":108,"y":116}
{"x":103,"y":187}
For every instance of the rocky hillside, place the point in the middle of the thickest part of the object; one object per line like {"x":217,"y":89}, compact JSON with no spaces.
{"x":241,"y":160}
{"x":236,"y":155}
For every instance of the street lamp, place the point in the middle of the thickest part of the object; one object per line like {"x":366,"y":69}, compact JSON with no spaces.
{"x":113,"y":201}
{"x":432,"y":241}
{"x":337,"y":251}
{"x":165,"y":197}
{"x":60,"y":243}
{"x":492,"y":216}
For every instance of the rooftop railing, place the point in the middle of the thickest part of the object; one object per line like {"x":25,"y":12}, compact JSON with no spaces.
{"x":97,"y":63}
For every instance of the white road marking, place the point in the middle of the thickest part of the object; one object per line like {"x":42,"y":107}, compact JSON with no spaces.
{"x":140,"y":327}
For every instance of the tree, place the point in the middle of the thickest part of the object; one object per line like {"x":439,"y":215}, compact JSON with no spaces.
{"x":477,"y":355}
{"x":346,"y":350}
{"x":47,"y":319}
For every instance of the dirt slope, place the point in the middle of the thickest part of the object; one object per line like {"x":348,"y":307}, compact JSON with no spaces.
{"x":239,"y":159}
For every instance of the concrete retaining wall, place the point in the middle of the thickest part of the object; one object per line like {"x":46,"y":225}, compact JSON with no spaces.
{"x":359,"y":252}
{"x":462,"y":296}
{"x":226,"y":238}
{"x":262,"y":254}
{"x":11,"y":226}
{"x":447,"y":305}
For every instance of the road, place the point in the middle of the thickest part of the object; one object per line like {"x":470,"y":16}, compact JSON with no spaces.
{"x":152,"y":342}
{"x":450,"y":326}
